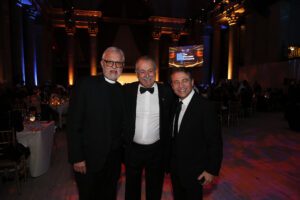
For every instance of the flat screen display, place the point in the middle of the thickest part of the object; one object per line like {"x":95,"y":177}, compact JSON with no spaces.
{"x":186,"y":56}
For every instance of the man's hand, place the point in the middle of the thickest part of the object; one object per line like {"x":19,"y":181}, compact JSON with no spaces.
{"x":207,"y":176}
{"x":80,"y":167}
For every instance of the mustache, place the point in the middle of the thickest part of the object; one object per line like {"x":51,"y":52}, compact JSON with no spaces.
{"x":147,"y":78}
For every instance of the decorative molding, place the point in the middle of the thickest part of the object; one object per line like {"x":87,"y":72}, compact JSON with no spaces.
{"x":228,"y":11}
{"x":80,"y":18}
{"x":232,"y":18}
{"x":168,"y":26}
{"x":164,"y":20}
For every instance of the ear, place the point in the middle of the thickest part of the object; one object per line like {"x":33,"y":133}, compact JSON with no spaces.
{"x":193,"y":82}
{"x":102,"y":63}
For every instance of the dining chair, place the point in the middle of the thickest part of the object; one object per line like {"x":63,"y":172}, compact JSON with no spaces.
{"x":11,"y":161}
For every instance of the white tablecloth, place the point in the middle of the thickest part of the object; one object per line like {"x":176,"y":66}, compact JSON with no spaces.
{"x":38,"y":136}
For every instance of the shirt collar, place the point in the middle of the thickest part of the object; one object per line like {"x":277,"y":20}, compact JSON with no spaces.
{"x":187,"y":99}
{"x":154,"y":86}
{"x":109,"y":81}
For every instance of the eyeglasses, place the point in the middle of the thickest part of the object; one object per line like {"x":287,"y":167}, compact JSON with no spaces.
{"x":110,"y":63}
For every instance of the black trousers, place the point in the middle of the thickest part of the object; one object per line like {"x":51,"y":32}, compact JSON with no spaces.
{"x":188,"y":189}
{"x":149,"y":158}
{"x":101,"y":184}
{"x":184,"y":191}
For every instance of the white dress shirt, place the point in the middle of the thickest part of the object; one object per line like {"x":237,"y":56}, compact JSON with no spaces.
{"x":185,"y":103}
{"x":147,"y":117}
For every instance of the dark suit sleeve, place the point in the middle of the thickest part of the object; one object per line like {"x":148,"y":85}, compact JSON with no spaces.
{"x":75,"y":124}
{"x":214,"y":141}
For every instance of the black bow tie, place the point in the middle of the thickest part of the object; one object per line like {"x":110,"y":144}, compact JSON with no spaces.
{"x":143,"y":90}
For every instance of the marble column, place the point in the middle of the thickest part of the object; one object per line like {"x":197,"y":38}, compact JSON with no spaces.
{"x":93,"y":30}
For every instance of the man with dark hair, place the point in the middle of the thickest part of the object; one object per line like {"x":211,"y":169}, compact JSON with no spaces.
{"x":197,"y":143}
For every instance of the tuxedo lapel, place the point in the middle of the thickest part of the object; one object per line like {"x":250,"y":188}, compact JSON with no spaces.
{"x":160,"y":97}
{"x":161,"y":100}
{"x":133,"y":95}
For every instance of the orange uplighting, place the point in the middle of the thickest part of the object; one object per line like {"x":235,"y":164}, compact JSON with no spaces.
{"x":230,"y":66}
{"x":229,"y":72}
{"x":71,"y":75}
{"x":94,"y":70}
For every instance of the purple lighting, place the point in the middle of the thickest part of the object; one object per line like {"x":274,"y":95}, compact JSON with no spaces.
{"x":24,"y":2}
{"x":23,"y":67}
{"x":223,"y":27}
{"x":35,"y":68}
{"x":212,"y":79}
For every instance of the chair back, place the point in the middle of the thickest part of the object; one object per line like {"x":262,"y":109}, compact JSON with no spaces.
{"x":6,"y":120}
{"x":8,"y":165}
{"x":7,"y":139}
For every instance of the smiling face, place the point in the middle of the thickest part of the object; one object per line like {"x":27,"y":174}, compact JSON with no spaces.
{"x":112,"y":64}
{"x":145,"y":69}
{"x":182,"y":84}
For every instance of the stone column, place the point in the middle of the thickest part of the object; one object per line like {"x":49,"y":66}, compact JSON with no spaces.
{"x":30,"y":48}
{"x":93,"y":30}
{"x":5,"y":44}
{"x":45,"y":55}
{"x":70,"y":29}
{"x":206,"y":54}
{"x":232,"y":68}
{"x":154,"y":50}
{"x":18,"y":44}
{"x":216,"y":56}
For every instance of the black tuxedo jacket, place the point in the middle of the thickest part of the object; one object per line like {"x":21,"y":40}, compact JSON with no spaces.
{"x":198,"y":145}
{"x":165,"y":96}
{"x":95,"y":120}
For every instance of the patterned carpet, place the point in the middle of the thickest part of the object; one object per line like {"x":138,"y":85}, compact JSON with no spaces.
{"x":261,"y":161}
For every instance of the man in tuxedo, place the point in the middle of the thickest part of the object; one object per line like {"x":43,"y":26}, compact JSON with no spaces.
{"x":95,"y":121}
{"x":148,"y":113}
{"x":197,"y":143}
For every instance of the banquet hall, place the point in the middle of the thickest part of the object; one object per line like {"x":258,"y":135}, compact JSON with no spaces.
{"x":244,"y":55}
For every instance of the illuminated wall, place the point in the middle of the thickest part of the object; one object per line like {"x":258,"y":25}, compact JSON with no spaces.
{"x":127,"y":78}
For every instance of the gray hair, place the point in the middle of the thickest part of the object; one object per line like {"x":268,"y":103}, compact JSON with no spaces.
{"x":146,"y":58}
{"x":114,"y":49}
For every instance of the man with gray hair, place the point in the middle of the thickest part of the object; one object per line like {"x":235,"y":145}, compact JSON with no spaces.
{"x":95,"y":119}
{"x":146,"y":133}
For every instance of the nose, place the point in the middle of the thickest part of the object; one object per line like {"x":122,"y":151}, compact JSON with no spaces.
{"x":180,"y":84}
{"x":114,"y":65}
